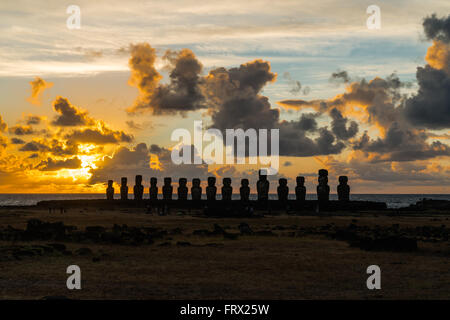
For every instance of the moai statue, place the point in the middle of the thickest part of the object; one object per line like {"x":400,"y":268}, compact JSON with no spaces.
{"x":153,"y":189}
{"x":282,"y":190}
{"x":123,"y":189}
{"x":138,"y":188}
{"x":196,"y":190}
{"x":167,"y":189}
{"x":262,"y":187}
{"x":182,"y":189}
{"x":227,"y":189}
{"x":110,"y":191}
{"x":323,"y":189}
{"x":244,"y":190}
{"x":343,"y":189}
{"x":300,"y":189}
{"x":211,"y":189}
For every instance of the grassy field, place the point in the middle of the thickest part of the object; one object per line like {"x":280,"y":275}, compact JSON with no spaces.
{"x":279,"y":261}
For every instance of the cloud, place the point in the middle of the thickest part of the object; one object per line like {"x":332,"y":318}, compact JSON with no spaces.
{"x":401,"y":144}
{"x":430,"y":107}
{"x":33,"y":119}
{"x":340,"y":77}
{"x":149,"y":162}
{"x":19,"y":130}
{"x":38,"y":85}
{"x":181,"y":94}
{"x":296,"y":86}
{"x":3,"y":125}
{"x":295,"y":142}
{"x":378,"y":175}
{"x":234,"y":96}
{"x":437,"y":28}
{"x":34,"y":146}
{"x":69,"y":115}
{"x":17,"y":141}
{"x":133,"y":125}
{"x":438,"y":56}
{"x":54,"y":165}
{"x":339,"y":126}
{"x":102,"y":135}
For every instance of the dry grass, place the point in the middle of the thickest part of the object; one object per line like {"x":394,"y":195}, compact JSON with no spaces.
{"x":252,"y":267}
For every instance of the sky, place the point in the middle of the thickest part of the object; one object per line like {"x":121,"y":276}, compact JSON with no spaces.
{"x":80,"y":106}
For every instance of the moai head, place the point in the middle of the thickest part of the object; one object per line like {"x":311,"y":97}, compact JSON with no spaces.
{"x":123,"y":181}
{"x":323,"y":176}
{"x":196,"y":182}
{"x":244,"y":182}
{"x":138,"y":180}
{"x":211,"y":181}
{"x":282,"y":182}
{"x":262,"y":174}
{"x":110,"y":183}
{"x":300,"y":181}
{"x":343,"y":180}
{"x":153,"y":182}
{"x":182,"y":182}
{"x":226,"y":182}
{"x":167,"y":181}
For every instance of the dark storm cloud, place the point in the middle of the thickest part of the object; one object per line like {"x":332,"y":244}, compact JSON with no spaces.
{"x":339,"y":126}
{"x":295,"y":142}
{"x":34,"y":146}
{"x":54,"y":165}
{"x":181,"y":94}
{"x":17,"y":141}
{"x":430,"y":107}
{"x":104,"y":136}
{"x":402,"y":144}
{"x":69,"y":115}
{"x":19,"y":130}
{"x":437,"y":28}
{"x":235,"y":99}
{"x":340,"y":77}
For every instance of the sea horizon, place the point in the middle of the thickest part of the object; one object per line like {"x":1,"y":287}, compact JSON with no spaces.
{"x":392,"y":200}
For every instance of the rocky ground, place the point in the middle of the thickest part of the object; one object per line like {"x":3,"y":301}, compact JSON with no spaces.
{"x":126,"y":253}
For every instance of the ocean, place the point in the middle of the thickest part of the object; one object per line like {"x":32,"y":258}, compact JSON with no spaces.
{"x":392,"y":200}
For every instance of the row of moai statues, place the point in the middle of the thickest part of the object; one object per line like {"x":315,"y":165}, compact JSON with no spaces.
{"x":262,"y":186}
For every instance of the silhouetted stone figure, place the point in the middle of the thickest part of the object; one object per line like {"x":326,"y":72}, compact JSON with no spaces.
{"x":123,"y":189}
{"x":138,"y":188}
{"x":300,"y":189}
{"x":262,"y":187}
{"x":244,"y":190}
{"x":110,"y":191}
{"x":153,"y":189}
{"x":167,"y":189}
{"x":343,"y":189}
{"x":227,"y":189}
{"x":323,"y":189}
{"x":211,"y":189}
{"x":196,"y":190}
{"x":182,"y":189}
{"x":282,"y":190}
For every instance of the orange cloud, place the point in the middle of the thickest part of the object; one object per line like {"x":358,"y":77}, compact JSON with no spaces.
{"x":438,"y":56}
{"x":38,"y":85}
